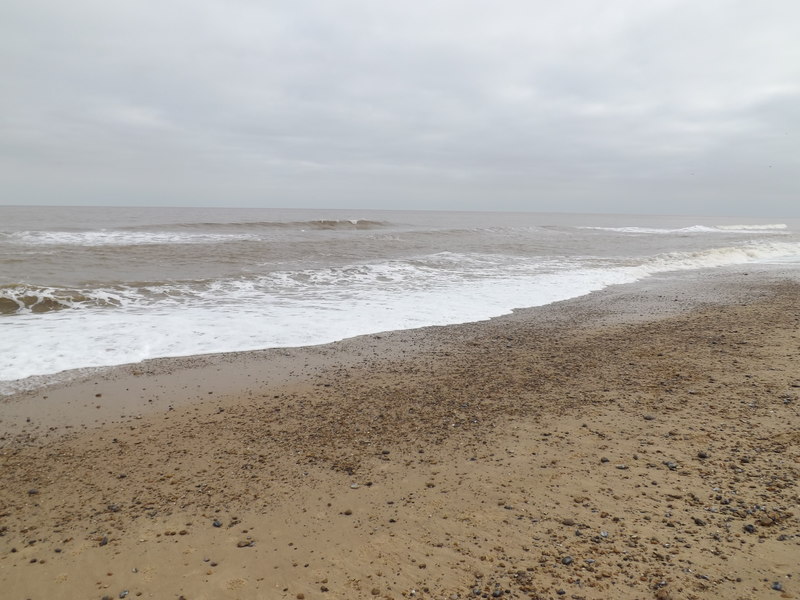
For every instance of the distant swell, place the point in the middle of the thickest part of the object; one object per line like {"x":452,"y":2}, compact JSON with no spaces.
{"x":773,"y":228}
{"x":181,"y":233}
{"x":320,"y":224}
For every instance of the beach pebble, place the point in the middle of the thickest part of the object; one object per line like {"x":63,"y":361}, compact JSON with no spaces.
{"x":702,"y":455}
{"x":217,"y":523}
{"x":777,"y":586}
{"x":649,"y":417}
{"x":567,"y":560}
{"x":354,"y":486}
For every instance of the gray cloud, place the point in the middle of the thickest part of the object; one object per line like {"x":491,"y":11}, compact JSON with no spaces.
{"x":664,"y":106}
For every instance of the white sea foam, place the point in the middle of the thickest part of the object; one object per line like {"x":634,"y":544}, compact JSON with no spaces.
{"x":121,"y":238}
{"x":316,"y":306}
{"x":773,"y":228}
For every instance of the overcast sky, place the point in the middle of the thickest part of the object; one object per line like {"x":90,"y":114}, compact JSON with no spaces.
{"x":656,"y":106}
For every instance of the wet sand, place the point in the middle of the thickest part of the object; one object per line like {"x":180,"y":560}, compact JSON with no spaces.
{"x":640,"y":442}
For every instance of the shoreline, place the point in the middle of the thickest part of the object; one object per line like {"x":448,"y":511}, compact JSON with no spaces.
{"x":556,"y":448}
{"x":59,"y":402}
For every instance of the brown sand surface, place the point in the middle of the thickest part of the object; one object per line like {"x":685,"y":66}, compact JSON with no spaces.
{"x":637,"y":443}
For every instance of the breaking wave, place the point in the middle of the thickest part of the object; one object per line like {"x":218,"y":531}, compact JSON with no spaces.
{"x":774,"y":228}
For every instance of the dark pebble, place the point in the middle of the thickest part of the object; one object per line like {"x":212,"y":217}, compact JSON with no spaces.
{"x":702,"y":455}
{"x":750,"y":528}
{"x":217,"y":523}
{"x":777,"y":586}
{"x":567,"y":560}
{"x":699,"y":521}
{"x":104,"y":540}
{"x":33,"y":492}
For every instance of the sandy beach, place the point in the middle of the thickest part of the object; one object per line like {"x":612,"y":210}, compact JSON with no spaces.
{"x":639,"y":442}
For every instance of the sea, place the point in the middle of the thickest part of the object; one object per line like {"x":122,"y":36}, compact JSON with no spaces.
{"x":86,"y":287}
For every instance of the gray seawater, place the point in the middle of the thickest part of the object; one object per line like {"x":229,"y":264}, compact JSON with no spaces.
{"x":86,"y":287}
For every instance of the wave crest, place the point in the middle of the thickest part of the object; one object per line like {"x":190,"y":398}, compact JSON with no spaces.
{"x":31,"y":299}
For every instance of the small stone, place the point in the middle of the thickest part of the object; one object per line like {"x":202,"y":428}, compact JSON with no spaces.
{"x":604,"y":459}
{"x":245,"y":544}
{"x":777,"y":586}
{"x":375,"y":591}
{"x":323,"y":588}
{"x":622,"y":467}
{"x":702,"y":455}
{"x":567,"y":560}
{"x":33,"y":492}
{"x":354,"y":486}
{"x":217,"y":523}
{"x":300,"y":596}
{"x":749,"y":528}
{"x":699,"y":521}
{"x":123,"y":593}
{"x":568,"y":522}
{"x":649,"y":417}
{"x":104,"y":540}
{"x":348,"y":512}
